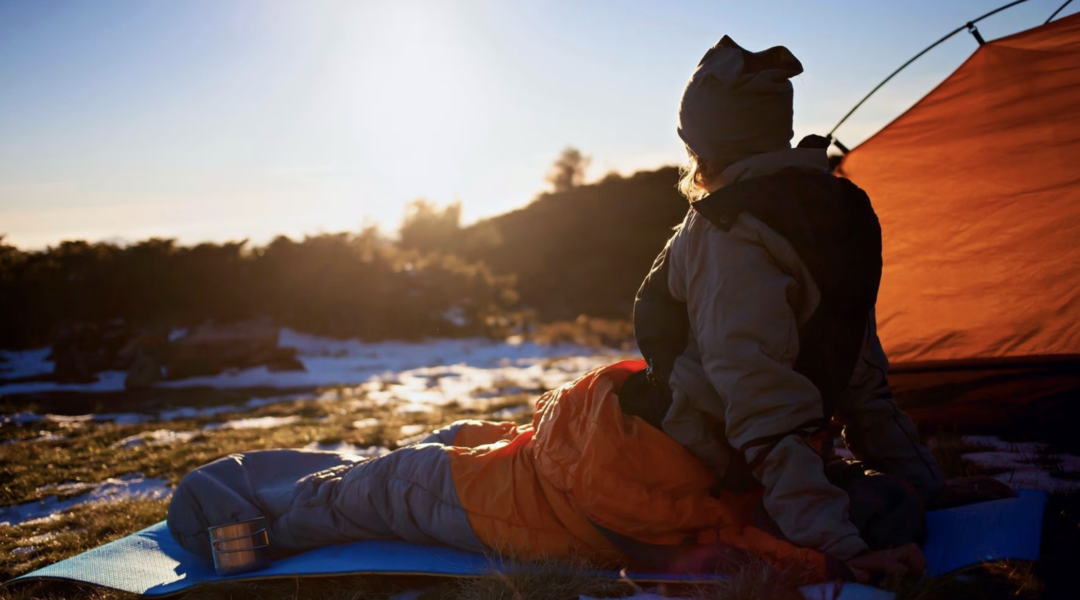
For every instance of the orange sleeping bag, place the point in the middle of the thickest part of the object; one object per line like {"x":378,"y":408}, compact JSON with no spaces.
{"x":583,"y":470}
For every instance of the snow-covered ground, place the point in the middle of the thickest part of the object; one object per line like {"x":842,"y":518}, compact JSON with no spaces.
{"x":158,"y":437}
{"x":326,"y":362}
{"x":409,"y":377}
{"x":25,"y":364}
{"x":416,"y":377}
{"x":1027,"y":465}
{"x":347,"y":448}
{"x":130,"y":486}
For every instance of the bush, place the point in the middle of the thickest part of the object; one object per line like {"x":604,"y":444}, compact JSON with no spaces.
{"x":344,"y":285}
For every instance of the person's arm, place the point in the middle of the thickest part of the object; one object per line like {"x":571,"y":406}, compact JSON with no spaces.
{"x":876,"y":430}
{"x":738,"y":300}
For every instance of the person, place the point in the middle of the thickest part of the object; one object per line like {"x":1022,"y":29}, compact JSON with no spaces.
{"x":582,"y":481}
{"x":757,"y":321}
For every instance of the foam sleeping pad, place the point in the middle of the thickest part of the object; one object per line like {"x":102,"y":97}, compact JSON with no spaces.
{"x":151,"y":563}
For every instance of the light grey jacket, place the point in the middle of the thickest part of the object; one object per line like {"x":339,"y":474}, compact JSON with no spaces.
{"x":747,"y":293}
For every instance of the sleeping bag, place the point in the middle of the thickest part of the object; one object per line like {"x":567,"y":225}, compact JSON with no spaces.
{"x":582,"y":480}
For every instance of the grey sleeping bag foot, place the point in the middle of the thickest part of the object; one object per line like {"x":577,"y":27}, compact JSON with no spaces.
{"x":313,"y":499}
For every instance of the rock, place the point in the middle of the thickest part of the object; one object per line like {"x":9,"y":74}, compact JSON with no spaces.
{"x":284,"y":359}
{"x":211,"y":349}
{"x":71,"y":365}
{"x":152,"y":343}
{"x":83,"y":349}
{"x":143,"y":373}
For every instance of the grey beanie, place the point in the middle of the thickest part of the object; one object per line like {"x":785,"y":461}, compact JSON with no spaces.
{"x":738,"y":103}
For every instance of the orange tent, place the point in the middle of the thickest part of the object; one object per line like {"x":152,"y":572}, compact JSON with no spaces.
{"x":977,"y":188}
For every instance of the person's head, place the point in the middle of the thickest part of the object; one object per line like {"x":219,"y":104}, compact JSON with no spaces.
{"x":737,"y":104}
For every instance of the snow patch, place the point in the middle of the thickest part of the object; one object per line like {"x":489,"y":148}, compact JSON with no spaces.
{"x":42,"y":538}
{"x":254,"y":423}
{"x":347,"y":448}
{"x":20,"y":418}
{"x":50,"y":518}
{"x":409,"y":430}
{"x":73,"y":421}
{"x":511,"y":413}
{"x":126,"y":487}
{"x":368,"y":423}
{"x":326,"y":361}
{"x":1023,"y":465}
{"x":416,"y":408}
{"x":996,"y":443}
{"x":413,"y":439}
{"x":1036,"y":479}
{"x":107,"y":381}
{"x":422,"y":389}
{"x":28,"y":363}
{"x":190,"y":412}
{"x":67,"y":488}
{"x":45,"y":436}
{"x":159,"y":437}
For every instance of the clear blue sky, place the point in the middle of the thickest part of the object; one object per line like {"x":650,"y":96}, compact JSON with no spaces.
{"x":229,"y":119}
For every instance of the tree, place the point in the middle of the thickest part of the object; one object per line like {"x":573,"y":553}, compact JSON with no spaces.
{"x":568,"y":171}
{"x":428,"y":228}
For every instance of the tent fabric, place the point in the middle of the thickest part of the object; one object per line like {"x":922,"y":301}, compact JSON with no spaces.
{"x":1025,"y":398}
{"x":977,"y":188}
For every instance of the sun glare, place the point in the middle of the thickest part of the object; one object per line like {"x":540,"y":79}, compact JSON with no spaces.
{"x":415,"y":89}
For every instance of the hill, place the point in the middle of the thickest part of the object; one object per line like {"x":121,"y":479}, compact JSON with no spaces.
{"x":584,"y":250}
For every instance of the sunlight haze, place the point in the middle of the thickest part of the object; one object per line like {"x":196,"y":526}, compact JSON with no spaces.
{"x":223,"y":120}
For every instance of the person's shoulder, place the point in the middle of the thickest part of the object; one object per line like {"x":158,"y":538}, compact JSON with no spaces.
{"x":698,"y":229}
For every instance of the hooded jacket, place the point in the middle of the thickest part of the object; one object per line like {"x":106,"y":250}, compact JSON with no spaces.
{"x":747,"y":294}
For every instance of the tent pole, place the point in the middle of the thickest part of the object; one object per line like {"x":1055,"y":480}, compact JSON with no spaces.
{"x":973,"y":30}
{"x":970,"y":25}
{"x":1060,"y":8}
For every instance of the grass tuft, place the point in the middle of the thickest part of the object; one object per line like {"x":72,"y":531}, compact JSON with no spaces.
{"x":753,"y":579}
{"x":1006,"y":580}
{"x":535,"y":580}
{"x":74,"y":531}
{"x":949,"y":449}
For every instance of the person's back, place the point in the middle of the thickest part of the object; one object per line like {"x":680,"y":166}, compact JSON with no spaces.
{"x":774,"y":271}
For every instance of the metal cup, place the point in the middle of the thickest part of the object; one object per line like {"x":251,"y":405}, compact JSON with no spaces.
{"x":240,"y":547}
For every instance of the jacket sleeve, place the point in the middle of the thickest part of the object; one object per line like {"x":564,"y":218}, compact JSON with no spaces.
{"x":876,"y":430}
{"x":739,"y":299}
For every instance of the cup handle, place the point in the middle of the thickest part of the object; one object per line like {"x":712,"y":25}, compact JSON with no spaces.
{"x":252,"y":535}
{"x":222,"y":551}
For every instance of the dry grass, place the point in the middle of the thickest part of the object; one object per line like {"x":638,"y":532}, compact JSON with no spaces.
{"x":72,"y":532}
{"x":53,"y":591}
{"x":949,"y":450}
{"x":533,"y":580}
{"x":753,"y":580}
{"x":590,"y":332}
{"x":89,"y":455}
{"x":1007,"y":580}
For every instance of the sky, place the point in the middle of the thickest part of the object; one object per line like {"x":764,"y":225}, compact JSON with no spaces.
{"x":216,"y":120}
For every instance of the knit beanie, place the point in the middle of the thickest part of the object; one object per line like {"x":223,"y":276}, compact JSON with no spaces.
{"x":738,"y":103}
